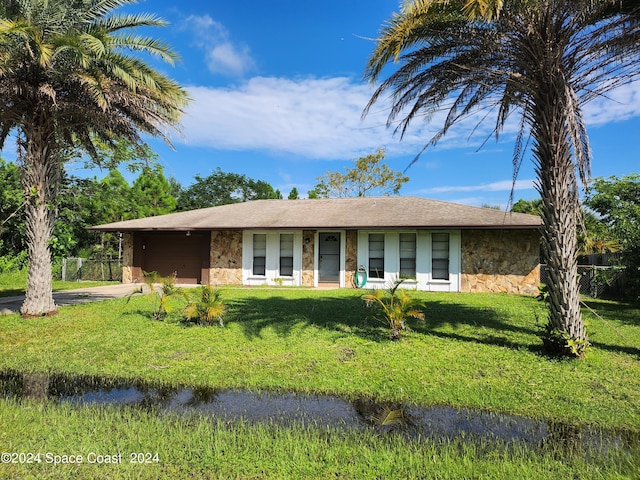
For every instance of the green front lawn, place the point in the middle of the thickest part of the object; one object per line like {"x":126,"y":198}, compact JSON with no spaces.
{"x":472,"y":350}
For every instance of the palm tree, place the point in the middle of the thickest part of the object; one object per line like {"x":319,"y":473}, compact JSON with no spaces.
{"x":539,"y":61}
{"x":68,"y":80}
{"x":394,"y":307}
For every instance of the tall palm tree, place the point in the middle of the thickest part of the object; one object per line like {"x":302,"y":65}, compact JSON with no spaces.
{"x":67,"y":80}
{"x":539,"y":61}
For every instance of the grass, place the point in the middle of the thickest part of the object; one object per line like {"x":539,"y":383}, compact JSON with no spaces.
{"x":193,"y":447}
{"x":14,"y":283}
{"x":473,"y":350}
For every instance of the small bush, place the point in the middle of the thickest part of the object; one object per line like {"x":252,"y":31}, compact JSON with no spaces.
{"x":160,"y":295}
{"x":207,"y":308}
{"x":14,"y":263}
{"x":558,"y":342}
{"x":394,"y":307}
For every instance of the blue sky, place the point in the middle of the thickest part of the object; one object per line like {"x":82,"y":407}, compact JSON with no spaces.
{"x":278,"y":95}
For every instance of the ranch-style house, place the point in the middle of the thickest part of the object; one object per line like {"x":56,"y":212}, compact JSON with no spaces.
{"x":342,"y":243}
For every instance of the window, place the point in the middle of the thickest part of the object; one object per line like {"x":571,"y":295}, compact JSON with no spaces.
{"x":376,"y":255}
{"x":407,"y":255}
{"x":440,"y":256}
{"x":286,"y":255}
{"x":259,"y":253}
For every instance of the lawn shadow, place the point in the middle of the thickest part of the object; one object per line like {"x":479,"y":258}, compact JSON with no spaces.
{"x":283,"y":315}
{"x":484,"y":323}
{"x":11,"y":292}
{"x":629,"y":350}
{"x":477,"y":324}
{"x":625,"y":314}
{"x":454,"y":321}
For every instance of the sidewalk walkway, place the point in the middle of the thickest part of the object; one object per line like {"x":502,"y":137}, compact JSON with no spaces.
{"x":73,"y":297}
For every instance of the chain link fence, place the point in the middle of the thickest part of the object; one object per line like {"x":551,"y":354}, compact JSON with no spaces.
{"x":78,"y":269}
{"x":596,"y":281}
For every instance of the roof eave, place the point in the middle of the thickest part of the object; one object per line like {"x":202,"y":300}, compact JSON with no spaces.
{"x":317,"y":227}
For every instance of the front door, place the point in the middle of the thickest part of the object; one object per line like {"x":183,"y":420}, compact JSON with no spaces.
{"x":329,"y":257}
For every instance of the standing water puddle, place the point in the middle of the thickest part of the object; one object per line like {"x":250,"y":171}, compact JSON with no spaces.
{"x":288,"y":408}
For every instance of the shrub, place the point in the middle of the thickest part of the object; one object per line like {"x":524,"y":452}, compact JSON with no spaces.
{"x":394,"y":307}
{"x":207,"y":308}
{"x":14,"y":263}
{"x":160,"y":295}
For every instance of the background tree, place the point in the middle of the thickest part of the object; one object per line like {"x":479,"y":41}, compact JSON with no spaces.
{"x":12,"y":238}
{"x":74,"y":215}
{"x":222,"y":188}
{"x":617,"y":201}
{"x":66,"y":79}
{"x":539,"y":60}
{"x":113,"y":202}
{"x":152,"y":193}
{"x":293,"y":194}
{"x":259,"y":190}
{"x":595,"y":236}
{"x":530,"y":207}
{"x":369,"y":177}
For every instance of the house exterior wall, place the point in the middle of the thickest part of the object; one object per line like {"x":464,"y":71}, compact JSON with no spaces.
{"x":500,"y":261}
{"x":226,"y":258}
{"x":127,"y":258}
{"x":351,"y":260}
{"x":479,"y":260}
{"x":308,"y":256}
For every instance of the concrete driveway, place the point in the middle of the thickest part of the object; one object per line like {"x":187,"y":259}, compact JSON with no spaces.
{"x":73,"y":297}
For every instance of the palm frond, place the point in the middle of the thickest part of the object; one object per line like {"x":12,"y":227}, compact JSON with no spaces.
{"x":483,"y":9}
{"x":393,"y":305}
{"x":121,"y":22}
{"x":388,"y":416}
{"x":146,"y":45}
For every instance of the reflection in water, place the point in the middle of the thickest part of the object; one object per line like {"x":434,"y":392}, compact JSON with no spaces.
{"x":36,"y":385}
{"x":288,"y":408}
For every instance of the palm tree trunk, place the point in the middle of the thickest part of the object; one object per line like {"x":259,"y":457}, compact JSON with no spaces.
{"x":40,"y":179}
{"x":560,"y":207}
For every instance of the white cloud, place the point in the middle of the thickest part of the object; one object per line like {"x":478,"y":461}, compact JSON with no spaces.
{"x":315,"y":118}
{"x":222,"y":56}
{"x":229,"y":59}
{"x":501,"y":186}
{"x":620,"y":104}
{"x":320,"y":118}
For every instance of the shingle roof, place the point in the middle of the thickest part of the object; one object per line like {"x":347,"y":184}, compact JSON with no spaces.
{"x":333,"y":213}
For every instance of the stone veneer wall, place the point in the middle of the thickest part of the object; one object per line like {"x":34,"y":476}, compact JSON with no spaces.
{"x":308,"y":258}
{"x":500,"y":261}
{"x":127,"y":258}
{"x":351,"y":262}
{"x":226,"y":258}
